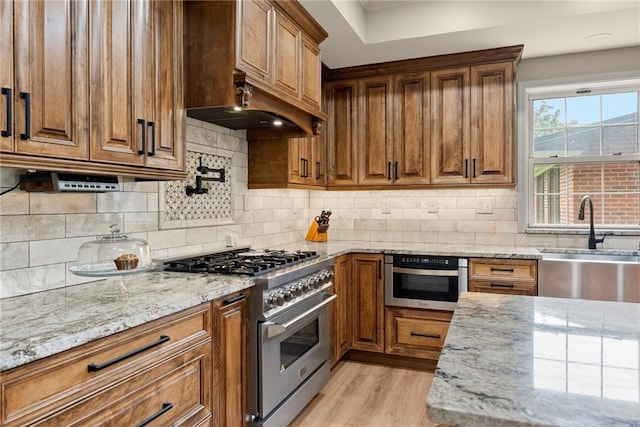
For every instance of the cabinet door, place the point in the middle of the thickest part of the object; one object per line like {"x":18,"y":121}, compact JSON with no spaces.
{"x":118,"y":66}
{"x":492,"y":123}
{"x":342,"y":133}
{"x":340,"y":337}
{"x":450,"y":127}
{"x":311,"y":73}
{"x":287,"y":57}
{"x":318,"y":160}
{"x":375,"y":142}
{"x":255,"y":37}
{"x":6,"y":75}
{"x":50,"y":94}
{"x":412,"y":123}
{"x":367,"y":302}
{"x":297,"y":153}
{"x":230,"y":356}
{"x":165,"y":146}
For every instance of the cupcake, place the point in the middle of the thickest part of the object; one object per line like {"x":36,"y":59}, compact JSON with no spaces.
{"x":126,"y":262}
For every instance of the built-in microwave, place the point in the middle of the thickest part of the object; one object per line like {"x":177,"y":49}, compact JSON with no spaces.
{"x":418,"y":281}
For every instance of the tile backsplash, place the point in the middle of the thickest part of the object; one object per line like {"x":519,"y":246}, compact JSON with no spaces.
{"x":40,"y":233}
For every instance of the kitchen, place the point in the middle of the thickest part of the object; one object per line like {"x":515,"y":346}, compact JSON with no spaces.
{"x":42,"y":232}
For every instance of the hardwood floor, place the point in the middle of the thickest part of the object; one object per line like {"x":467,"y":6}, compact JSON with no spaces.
{"x":367,"y":395}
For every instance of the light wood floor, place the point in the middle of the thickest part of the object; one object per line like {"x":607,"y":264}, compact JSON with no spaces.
{"x":366,"y":395}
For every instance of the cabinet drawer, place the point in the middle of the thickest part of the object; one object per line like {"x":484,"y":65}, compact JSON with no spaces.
{"x":416,"y":333}
{"x":37,"y":390}
{"x":503,"y":269}
{"x":504,"y":287}
{"x":174,"y":391}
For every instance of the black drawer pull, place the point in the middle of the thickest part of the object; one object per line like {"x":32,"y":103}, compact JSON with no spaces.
{"x":27,"y":115}
{"x":166,"y":406}
{"x":92,"y":367}
{"x":507,"y":270}
{"x":317,"y":170}
{"x":415,"y":334}
{"x":234,"y":299}
{"x":152,"y":125}
{"x":501,"y":285}
{"x":9,"y":94}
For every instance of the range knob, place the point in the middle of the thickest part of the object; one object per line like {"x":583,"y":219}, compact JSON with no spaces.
{"x":288,"y":295}
{"x":297,"y":290}
{"x":280,"y":299}
{"x":305,"y":286}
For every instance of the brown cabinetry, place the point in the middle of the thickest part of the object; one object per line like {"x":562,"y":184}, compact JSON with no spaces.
{"x":416,"y":333}
{"x":367,"y":302}
{"x":161,"y":368}
{"x":230,"y":360}
{"x":341,"y":338}
{"x":504,"y":276}
{"x":342,"y":133}
{"x":472,"y":134}
{"x":108,"y":72}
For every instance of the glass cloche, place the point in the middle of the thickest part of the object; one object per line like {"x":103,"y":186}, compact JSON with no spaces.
{"x":113,"y":254}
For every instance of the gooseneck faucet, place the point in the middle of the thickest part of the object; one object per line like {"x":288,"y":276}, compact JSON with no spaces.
{"x":592,"y":232}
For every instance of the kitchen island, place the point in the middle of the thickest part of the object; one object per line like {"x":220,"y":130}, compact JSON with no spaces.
{"x":535,"y":361}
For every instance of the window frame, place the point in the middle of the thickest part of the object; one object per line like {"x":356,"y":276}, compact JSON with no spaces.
{"x":562,"y":87}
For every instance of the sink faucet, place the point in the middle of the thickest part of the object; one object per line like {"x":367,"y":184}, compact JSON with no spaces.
{"x":592,"y":233}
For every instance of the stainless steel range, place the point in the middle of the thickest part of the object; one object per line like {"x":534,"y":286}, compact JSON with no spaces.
{"x":289,"y":325}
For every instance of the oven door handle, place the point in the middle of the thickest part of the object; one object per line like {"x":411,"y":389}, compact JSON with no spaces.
{"x":275,"y":329}
{"x":448,"y":273}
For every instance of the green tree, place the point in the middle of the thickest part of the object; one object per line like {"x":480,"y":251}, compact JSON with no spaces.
{"x":546,"y":118}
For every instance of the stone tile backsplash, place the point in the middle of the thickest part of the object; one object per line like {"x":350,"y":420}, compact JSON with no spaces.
{"x":40,"y":233}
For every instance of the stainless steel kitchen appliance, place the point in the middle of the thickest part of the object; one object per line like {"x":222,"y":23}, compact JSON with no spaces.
{"x":421,"y":281}
{"x":289,"y":325}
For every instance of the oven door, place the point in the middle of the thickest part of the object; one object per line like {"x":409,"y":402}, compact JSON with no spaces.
{"x":292,"y":346}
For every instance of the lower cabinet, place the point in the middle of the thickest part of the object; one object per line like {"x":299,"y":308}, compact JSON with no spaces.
{"x":340,"y":310}
{"x":367,"y":302}
{"x":230,"y":360}
{"x":161,"y":369}
{"x":415,"y":332}
{"x":503,"y":276}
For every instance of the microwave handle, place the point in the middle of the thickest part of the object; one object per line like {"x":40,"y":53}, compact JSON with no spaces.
{"x":447,"y":273}
{"x":275,"y":329}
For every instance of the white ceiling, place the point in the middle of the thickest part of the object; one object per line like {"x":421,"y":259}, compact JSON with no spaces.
{"x":372,"y":31}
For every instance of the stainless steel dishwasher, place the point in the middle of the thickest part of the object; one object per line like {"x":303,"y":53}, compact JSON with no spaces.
{"x":594,"y":276}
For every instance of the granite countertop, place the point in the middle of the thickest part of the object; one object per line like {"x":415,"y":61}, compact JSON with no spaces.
{"x":516,"y":361}
{"x":42,"y":324}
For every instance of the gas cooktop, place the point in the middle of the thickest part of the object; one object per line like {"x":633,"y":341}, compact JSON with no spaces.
{"x":240,"y":261}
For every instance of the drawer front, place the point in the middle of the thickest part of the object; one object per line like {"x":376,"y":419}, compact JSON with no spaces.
{"x":39,"y":389}
{"x":503,"y":269}
{"x":415,"y":333}
{"x":503,"y":287}
{"x":174,"y":392}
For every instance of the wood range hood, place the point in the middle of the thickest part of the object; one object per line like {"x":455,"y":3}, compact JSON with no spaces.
{"x":254,"y":65}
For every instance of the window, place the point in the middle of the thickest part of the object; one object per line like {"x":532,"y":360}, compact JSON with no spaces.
{"x":583,"y":141}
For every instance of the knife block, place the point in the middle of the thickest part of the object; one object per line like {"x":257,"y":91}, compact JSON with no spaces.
{"x":315,"y":235}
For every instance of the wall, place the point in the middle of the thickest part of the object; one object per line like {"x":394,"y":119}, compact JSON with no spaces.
{"x":40,"y":233}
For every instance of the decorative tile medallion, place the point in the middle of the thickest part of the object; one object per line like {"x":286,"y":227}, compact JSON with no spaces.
{"x":216,"y":204}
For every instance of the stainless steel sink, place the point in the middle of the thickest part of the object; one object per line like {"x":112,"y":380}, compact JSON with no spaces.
{"x":590,"y":274}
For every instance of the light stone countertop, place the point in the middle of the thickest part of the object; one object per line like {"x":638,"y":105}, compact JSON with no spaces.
{"x":536,"y":361}
{"x":42,"y":324}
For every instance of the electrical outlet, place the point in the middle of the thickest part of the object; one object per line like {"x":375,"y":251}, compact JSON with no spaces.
{"x":232,"y":240}
{"x":432,"y":206}
{"x":484,"y":206}
{"x":385,"y":206}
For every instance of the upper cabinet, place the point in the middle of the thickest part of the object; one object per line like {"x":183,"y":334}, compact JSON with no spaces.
{"x":473,"y":115}
{"x":95,"y":87}
{"x":438,"y":121}
{"x":251,"y":62}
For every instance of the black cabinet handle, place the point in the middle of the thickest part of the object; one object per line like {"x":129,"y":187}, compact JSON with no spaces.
{"x":389,"y":170}
{"x":501,"y":285}
{"x":234,"y":299}
{"x":379,"y":269}
{"x":396,"y":170}
{"x":143,"y":141}
{"x":474,"y":168}
{"x":415,"y":334}
{"x":9,"y":94}
{"x":466,"y":168}
{"x":507,"y":270}
{"x":92,"y":367}
{"x":152,"y":125}
{"x":166,"y":406}
{"x":27,"y":115}
{"x":317,"y":170}
{"x":306,"y":168}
